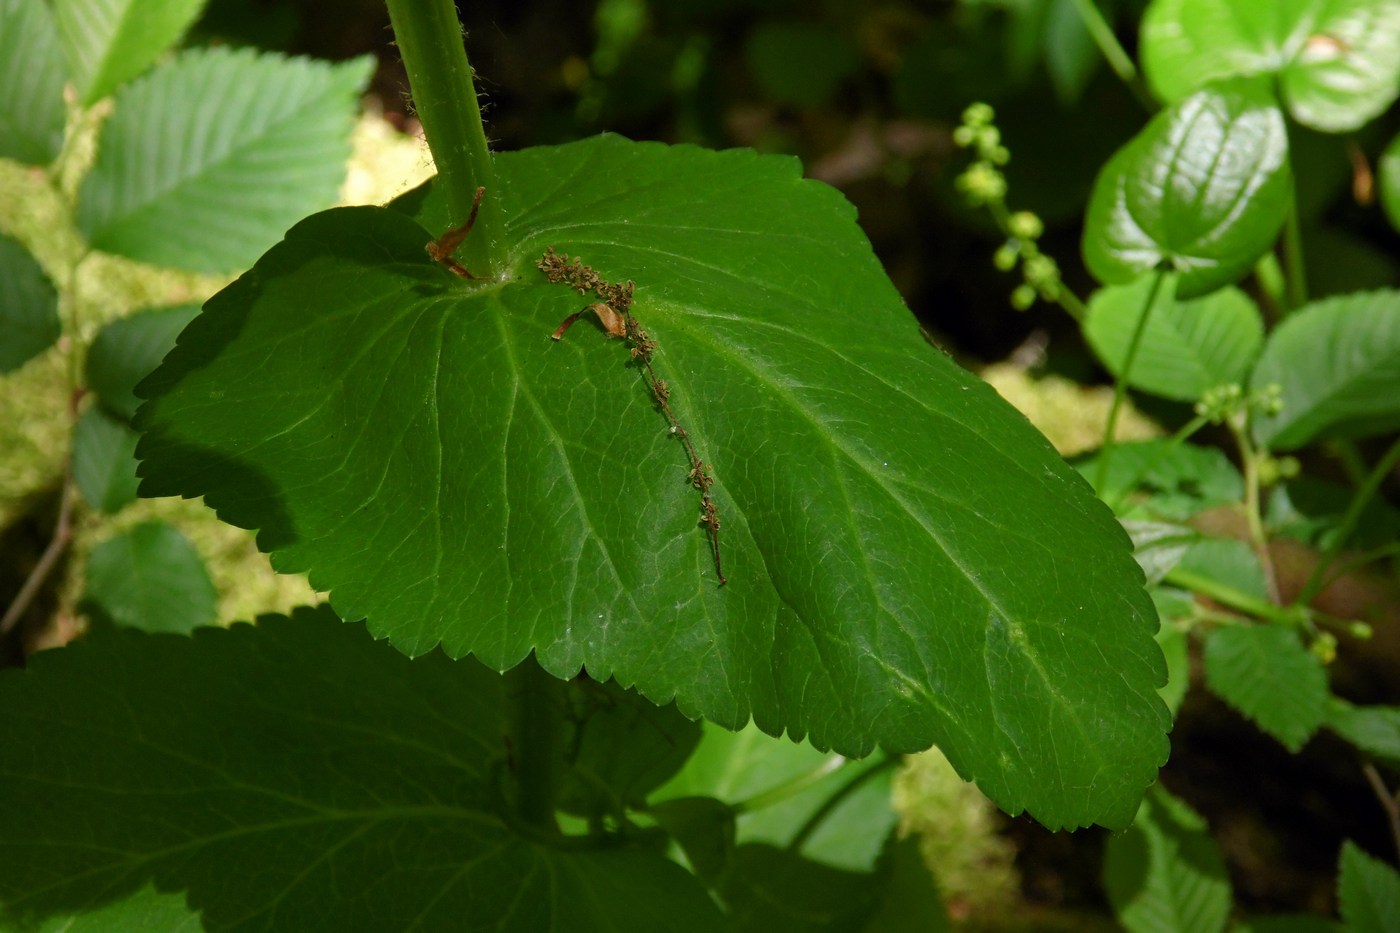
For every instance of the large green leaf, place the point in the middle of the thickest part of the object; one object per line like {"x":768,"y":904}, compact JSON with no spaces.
{"x":109,"y":42}
{"x":1338,"y":362}
{"x":1187,"y":347}
{"x":1165,"y":874}
{"x":909,"y":562}
{"x":31,"y":83}
{"x":1203,"y":189}
{"x":1265,"y":673}
{"x":296,"y":775}
{"x":209,"y":158}
{"x":149,"y":577}
{"x":28,"y":306}
{"x":1337,"y":62}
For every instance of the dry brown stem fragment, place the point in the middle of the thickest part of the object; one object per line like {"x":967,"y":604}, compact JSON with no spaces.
{"x":443,"y":247}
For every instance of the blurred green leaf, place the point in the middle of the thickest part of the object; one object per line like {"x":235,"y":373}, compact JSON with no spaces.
{"x":1290,"y":923}
{"x":1176,"y":649}
{"x":1071,"y":56}
{"x":1373,"y":729}
{"x":1165,"y":874}
{"x":799,"y":63}
{"x":1227,"y":561}
{"x":32,"y":76}
{"x":1264,"y":672}
{"x":1311,"y":510}
{"x":533,"y":498}
{"x":704,"y":829}
{"x":109,"y":42}
{"x":1161,"y":479}
{"x":1203,"y":189}
{"x":104,"y":460}
{"x":125,"y":351}
{"x":149,"y":577}
{"x":209,"y":158}
{"x":293,"y":775}
{"x":1338,"y":363}
{"x":1337,"y":61}
{"x":1159,"y":546}
{"x":1368,"y":891}
{"x":28,"y":307}
{"x":737,"y":767}
{"x":1187,"y":347}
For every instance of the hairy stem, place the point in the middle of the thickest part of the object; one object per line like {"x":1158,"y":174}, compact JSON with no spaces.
{"x":1120,"y":387}
{"x":429,"y":38}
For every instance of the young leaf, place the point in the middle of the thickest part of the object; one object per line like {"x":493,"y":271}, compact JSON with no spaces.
{"x":1226,"y":561}
{"x":909,"y":562}
{"x":1165,"y":874}
{"x":1266,"y":674}
{"x":31,"y":84}
{"x":149,"y":577}
{"x":104,"y":460}
{"x":1187,"y":346}
{"x":1337,"y":62}
{"x":208,"y":159}
{"x":109,"y":42}
{"x":125,"y":351}
{"x":28,"y":307}
{"x":1373,"y":729}
{"x":296,"y":775}
{"x":1204,"y":189}
{"x":1368,"y":891}
{"x":1338,"y":362}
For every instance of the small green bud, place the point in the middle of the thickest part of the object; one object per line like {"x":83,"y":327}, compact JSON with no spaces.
{"x":1324,"y":647}
{"x":1025,"y":225}
{"x":1041,"y":270}
{"x":1023,"y":297}
{"x":1360,"y":631}
{"x":964,"y":136}
{"x":978,"y":114}
{"x":1006,"y":256}
{"x":1288,"y":467}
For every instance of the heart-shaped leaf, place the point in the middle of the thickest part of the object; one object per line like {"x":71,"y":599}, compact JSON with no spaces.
{"x":909,"y":561}
{"x":1203,"y":189}
{"x":295,"y":775}
{"x":1337,"y":62}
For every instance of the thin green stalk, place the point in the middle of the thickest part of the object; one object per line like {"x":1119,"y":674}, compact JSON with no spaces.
{"x":1120,"y":387}
{"x":1253,"y":510}
{"x":1229,"y":596}
{"x":787,"y":789}
{"x":429,"y":38}
{"x":1349,"y":522}
{"x":1113,"y":51}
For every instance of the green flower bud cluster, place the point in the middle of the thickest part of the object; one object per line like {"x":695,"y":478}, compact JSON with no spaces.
{"x":1225,"y":402}
{"x":982,"y":183}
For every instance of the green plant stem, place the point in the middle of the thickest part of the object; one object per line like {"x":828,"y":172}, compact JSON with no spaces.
{"x":1229,"y":596}
{"x":1293,"y":254}
{"x":1113,"y":51}
{"x":1120,"y":387}
{"x":787,"y":789}
{"x":1253,"y":510}
{"x":831,"y":803}
{"x":1350,"y":519}
{"x":534,"y":700}
{"x":429,"y":38}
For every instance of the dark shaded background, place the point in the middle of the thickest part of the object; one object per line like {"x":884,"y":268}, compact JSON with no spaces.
{"x":867,"y":95}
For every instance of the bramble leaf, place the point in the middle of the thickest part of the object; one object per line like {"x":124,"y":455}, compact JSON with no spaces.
{"x":31,"y":83}
{"x":104,"y":460}
{"x":1203,"y":189}
{"x":1337,"y":62}
{"x":909,"y":561}
{"x":109,"y":42}
{"x":1338,"y":363}
{"x":209,"y":158}
{"x":28,"y":306}
{"x":296,"y":775}
{"x":1266,"y":674}
{"x":125,"y":351}
{"x":1165,"y":874}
